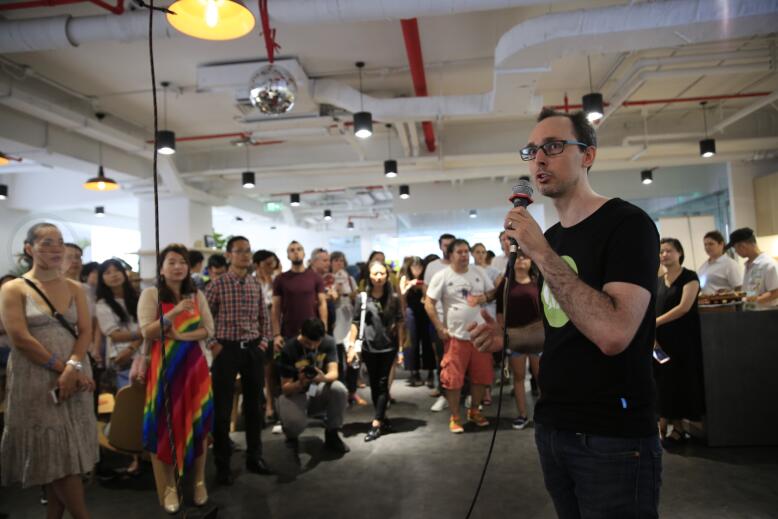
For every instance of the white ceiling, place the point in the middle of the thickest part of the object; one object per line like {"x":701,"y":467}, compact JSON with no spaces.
{"x":459,"y":52}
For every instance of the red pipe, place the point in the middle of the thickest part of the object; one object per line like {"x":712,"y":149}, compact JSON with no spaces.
{"x":32,"y":4}
{"x":416,"y":64}
{"x":645,"y":102}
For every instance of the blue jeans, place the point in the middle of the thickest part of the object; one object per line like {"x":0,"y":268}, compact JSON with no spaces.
{"x":600,"y":477}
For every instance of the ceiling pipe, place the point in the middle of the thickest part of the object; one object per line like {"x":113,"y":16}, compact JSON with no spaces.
{"x":748,"y":110}
{"x":672,"y":100}
{"x":32,"y":4}
{"x":416,"y":63}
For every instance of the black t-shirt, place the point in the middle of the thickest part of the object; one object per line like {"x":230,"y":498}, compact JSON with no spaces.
{"x":582,"y":389}
{"x":381,"y":321}
{"x":523,"y":303}
{"x":295,"y":356}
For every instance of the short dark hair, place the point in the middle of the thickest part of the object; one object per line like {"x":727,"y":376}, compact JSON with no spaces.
{"x":490,"y":254}
{"x":195,"y":257}
{"x":232,"y":240}
{"x":676,"y":244}
{"x":582,"y":128}
{"x":312,"y":329}
{"x":715,"y":236}
{"x":456,"y":243}
{"x":217,"y":260}
{"x":260,"y":256}
{"x":74,"y":246}
{"x":445,"y":236}
{"x":88,"y":268}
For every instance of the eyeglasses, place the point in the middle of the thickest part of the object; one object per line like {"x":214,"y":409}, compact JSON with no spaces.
{"x":241,"y":251}
{"x":550,"y":148}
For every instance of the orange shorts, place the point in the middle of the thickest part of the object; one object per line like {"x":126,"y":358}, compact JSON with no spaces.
{"x":461,"y":357}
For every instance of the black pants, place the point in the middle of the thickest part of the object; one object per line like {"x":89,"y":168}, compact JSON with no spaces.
{"x":247,"y":359}
{"x":346,"y":373}
{"x":379,"y":365}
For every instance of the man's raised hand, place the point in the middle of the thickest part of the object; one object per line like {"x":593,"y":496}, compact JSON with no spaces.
{"x":487,"y":336}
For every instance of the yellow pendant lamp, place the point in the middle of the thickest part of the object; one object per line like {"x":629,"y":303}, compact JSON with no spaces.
{"x":101,"y":182}
{"x":211,"y":19}
{"x":4,"y":160}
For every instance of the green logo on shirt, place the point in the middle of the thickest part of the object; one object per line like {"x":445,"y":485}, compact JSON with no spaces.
{"x":555,"y":316}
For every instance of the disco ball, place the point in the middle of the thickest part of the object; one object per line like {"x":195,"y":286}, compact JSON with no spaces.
{"x":272,"y":90}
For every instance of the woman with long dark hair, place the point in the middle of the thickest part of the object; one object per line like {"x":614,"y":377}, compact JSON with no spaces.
{"x":420,"y":354}
{"x":117,"y":315}
{"x":523,"y":301}
{"x":179,"y":402}
{"x":382,"y":329}
{"x":679,"y":382}
{"x":50,"y":434}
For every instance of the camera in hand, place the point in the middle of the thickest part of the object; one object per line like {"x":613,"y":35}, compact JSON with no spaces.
{"x":309,"y":371}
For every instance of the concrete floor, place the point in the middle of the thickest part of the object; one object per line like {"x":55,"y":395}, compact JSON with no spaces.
{"x":423,"y":471}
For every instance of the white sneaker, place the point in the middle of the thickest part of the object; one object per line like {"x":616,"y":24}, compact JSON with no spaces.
{"x":440,"y":404}
{"x":277,"y":429}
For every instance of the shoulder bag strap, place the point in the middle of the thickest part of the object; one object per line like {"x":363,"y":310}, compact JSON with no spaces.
{"x":58,"y":316}
{"x":363,"y":300}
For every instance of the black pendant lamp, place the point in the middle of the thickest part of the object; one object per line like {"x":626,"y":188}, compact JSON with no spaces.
{"x":405,"y":191}
{"x":165,"y":139}
{"x":99,"y":211}
{"x":363,"y":121}
{"x":593,"y":105}
{"x":350,"y":225}
{"x":294,"y":199}
{"x":646,"y":177}
{"x":248,"y":178}
{"x":707,"y":146}
{"x":327,"y":215}
{"x":390,"y":165}
{"x":101,"y":182}
{"x":3,"y":191}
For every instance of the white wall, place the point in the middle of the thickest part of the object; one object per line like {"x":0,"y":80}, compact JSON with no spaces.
{"x":741,"y":177}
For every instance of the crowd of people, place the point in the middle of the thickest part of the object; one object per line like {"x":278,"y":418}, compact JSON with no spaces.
{"x":298,"y":341}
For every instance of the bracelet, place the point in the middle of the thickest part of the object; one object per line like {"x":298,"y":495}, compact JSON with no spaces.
{"x":50,"y":363}
{"x":167,"y":323}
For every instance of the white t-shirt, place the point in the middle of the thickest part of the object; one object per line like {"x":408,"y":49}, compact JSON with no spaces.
{"x":499,"y":263}
{"x":452,"y":289}
{"x":492,"y":273}
{"x":344,"y":309}
{"x":432,"y":269}
{"x":722,"y":274}
{"x":761,"y":276}
{"x":109,"y":322}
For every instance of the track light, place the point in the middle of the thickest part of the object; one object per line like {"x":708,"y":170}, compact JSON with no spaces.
{"x":99,"y":211}
{"x":405,"y":191}
{"x":592,"y":103}
{"x":294,"y":199}
{"x":363,"y":121}
{"x":3,"y":191}
{"x":211,"y":19}
{"x":390,"y":168}
{"x":327,"y":215}
{"x":707,"y":146}
{"x":166,"y":142}
{"x":248,"y":179}
{"x":101,"y":182}
{"x":473,"y":213}
{"x":350,"y":225}
{"x":646,"y":176}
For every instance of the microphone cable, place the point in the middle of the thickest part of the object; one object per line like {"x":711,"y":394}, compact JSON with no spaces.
{"x":505,"y":353}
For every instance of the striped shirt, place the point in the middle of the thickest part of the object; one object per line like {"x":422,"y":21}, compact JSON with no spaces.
{"x":237,"y":305}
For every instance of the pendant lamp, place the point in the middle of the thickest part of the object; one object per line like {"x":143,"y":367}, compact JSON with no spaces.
{"x":211,"y":19}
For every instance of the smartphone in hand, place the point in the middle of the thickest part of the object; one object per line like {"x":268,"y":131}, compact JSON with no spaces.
{"x":54,"y":393}
{"x":661,"y":355}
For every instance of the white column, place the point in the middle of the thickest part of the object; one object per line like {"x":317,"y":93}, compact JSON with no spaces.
{"x":741,"y":177}
{"x":180,"y":221}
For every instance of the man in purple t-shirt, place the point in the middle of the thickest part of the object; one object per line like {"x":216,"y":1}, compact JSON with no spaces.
{"x":298,"y":294}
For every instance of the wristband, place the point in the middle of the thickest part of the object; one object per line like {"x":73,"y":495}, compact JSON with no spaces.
{"x":50,"y":363}
{"x":167,"y":323}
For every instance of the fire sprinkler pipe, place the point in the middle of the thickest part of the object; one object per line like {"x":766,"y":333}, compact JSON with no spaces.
{"x":32,"y":4}
{"x":697,"y":99}
{"x":416,"y":64}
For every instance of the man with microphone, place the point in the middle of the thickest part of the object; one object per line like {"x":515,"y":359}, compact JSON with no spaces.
{"x":595,"y":428}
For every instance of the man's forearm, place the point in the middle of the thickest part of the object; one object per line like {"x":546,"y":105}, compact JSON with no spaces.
{"x":592,"y":311}
{"x":433,"y":315}
{"x":276,"y":320}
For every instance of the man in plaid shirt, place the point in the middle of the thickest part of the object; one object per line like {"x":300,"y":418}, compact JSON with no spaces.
{"x":240,"y":344}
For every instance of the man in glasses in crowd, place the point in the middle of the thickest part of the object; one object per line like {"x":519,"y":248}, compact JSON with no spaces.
{"x":595,"y":428}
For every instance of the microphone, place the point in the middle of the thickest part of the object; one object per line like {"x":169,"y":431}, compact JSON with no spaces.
{"x":521,"y":197}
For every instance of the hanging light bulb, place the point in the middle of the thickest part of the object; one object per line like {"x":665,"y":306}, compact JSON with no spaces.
{"x":473,"y":213}
{"x":248,"y":180}
{"x":99,"y":211}
{"x":707,"y":146}
{"x":350,"y":225}
{"x":390,"y":166}
{"x":593,"y":105}
{"x":363,"y":121}
{"x":3,"y":191}
{"x":646,"y":177}
{"x":405,"y":191}
{"x":101,"y":182}
{"x":294,"y":199}
{"x":211,"y":19}
{"x":165,"y":139}
{"x":327,"y":215}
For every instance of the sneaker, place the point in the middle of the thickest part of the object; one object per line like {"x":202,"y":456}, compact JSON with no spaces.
{"x":277,"y":429}
{"x":455,"y":426}
{"x":440,"y":404}
{"x":477,"y":418}
{"x":520,"y":423}
{"x":468,"y":402}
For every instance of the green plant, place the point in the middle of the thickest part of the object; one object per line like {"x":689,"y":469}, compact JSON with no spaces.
{"x":220,"y":240}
